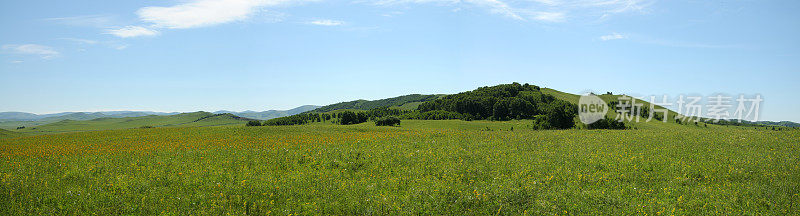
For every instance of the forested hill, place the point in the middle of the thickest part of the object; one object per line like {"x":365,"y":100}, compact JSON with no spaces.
{"x":368,"y":105}
{"x":501,"y":102}
{"x":504,"y":102}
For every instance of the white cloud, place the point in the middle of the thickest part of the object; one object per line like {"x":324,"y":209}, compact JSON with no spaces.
{"x":16,"y":61}
{"x":612,"y":36}
{"x":327,"y":22}
{"x":201,"y":13}
{"x":86,"y":42}
{"x":392,"y":14}
{"x":616,"y":6}
{"x":97,"y":21}
{"x":494,"y":6}
{"x":394,"y":2}
{"x":81,"y":40}
{"x":548,"y":2}
{"x":132,"y":31}
{"x":542,"y":10}
{"x":45,"y":52}
{"x":119,"y":46}
{"x":601,"y":8}
{"x":548,"y":16}
{"x":687,"y":44}
{"x":497,"y":7}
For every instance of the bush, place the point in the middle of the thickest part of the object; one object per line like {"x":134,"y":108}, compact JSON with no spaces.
{"x":388,"y":121}
{"x":561,"y":114}
{"x":606,"y":123}
{"x":541,"y":122}
{"x":253,"y":123}
{"x":349,"y":117}
{"x":557,"y":115}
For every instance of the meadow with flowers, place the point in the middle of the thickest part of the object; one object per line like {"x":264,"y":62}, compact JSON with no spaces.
{"x":422,"y":167}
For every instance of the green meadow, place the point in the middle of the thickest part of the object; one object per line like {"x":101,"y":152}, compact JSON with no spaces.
{"x":421,"y":167}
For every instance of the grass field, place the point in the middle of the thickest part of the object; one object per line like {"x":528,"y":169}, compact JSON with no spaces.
{"x":422,"y":167}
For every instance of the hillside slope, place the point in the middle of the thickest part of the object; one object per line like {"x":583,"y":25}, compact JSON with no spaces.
{"x":9,"y":134}
{"x":412,"y":99}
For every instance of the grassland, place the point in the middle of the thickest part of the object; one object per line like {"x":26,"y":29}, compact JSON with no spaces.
{"x":422,"y":167}
{"x":8,"y":134}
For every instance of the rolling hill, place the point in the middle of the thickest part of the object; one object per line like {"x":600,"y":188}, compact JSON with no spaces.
{"x":780,"y":123}
{"x":8,"y":134}
{"x":194,"y":119}
{"x":13,"y":120}
{"x":23,"y":116}
{"x":409,"y":102}
{"x":521,"y":102}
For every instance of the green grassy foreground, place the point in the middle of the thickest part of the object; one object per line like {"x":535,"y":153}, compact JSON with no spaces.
{"x":423,"y":167}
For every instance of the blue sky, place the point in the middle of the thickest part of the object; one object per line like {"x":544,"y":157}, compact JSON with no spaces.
{"x":240,"y":55}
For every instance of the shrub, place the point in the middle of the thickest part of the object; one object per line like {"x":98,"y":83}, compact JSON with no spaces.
{"x":388,"y":121}
{"x":561,"y":114}
{"x":541,"y":122}
{"x":606,"y":123}
{"x":349,"y":117}
{"x":253,"y":123}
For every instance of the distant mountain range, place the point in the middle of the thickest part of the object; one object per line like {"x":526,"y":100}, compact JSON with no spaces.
{"x":770,"y":123}
{"x":23,"y":116}
{"x":780,"y":123}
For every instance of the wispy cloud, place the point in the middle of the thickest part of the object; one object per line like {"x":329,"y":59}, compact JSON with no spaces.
{"x":397,"y":2}
{"x":204,"y":13}
{"x":644,"y":39}
{"x":548,"y":16}
{"x":119,"y":46}
{"x":96,"y":21}
{"x":602,"y":9}
{"x":612,"y":36}
{"x":617,"y":6}
{"x":392,"y":14}
{"x":498,"y":7}
{"x":686,"y":44}
{"x":327,"y":22}
{"x":132,"y":31}
{"x":542,"y":10}
{"x":494,"y":6}
{"x":45,"y":52}
{"x":201,"y":13}
{"x":80,"y":40}
{"x":107,"y":43}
